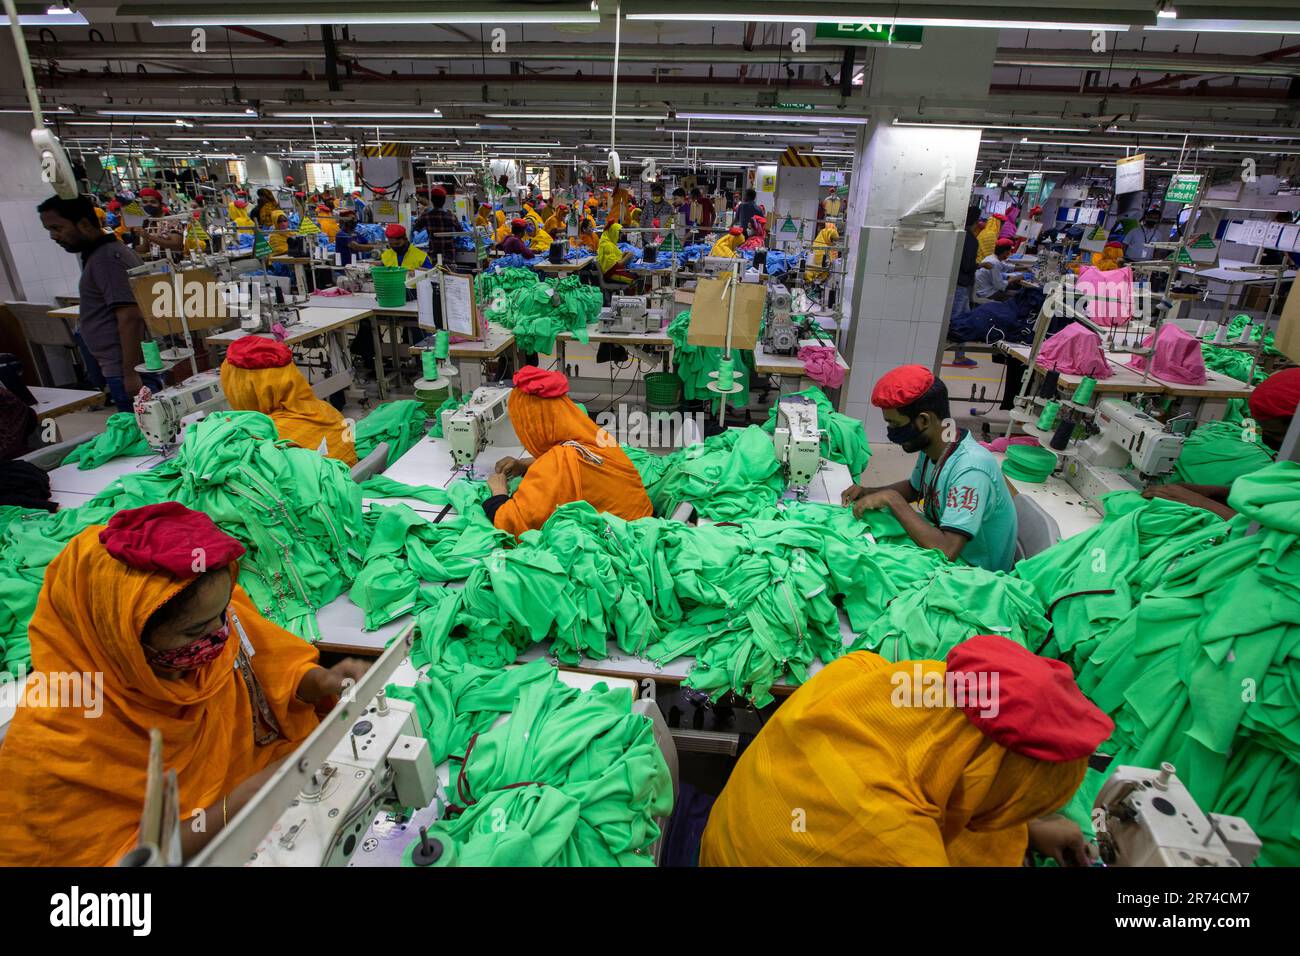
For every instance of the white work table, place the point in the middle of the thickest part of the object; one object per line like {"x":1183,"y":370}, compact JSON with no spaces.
{"x":312,"y":321}
{"x":53,"y":402}
{"x":1071,"y":512}
{"x":362,"y":300}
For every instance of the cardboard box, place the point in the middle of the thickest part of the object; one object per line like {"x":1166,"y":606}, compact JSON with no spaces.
{"x":709,"y":311}
{"x":161,"y":302}
{"x":1287,"y":339}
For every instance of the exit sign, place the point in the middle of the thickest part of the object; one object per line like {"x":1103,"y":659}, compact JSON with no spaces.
{"x":869,"y":34}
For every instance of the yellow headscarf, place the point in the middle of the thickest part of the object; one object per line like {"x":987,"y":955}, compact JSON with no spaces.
{"x":727,"y":245}
{"x":608,"y":254}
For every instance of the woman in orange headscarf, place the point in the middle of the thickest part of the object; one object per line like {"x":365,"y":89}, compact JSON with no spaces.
{"x":258,"y":375}
{"x":884,"y":765}
{"x":572,"y":460}
{"x":149,"y":642}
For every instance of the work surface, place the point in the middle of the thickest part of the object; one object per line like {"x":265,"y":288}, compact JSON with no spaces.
{"x":1126,"y":379}
{"x":312,"y":321}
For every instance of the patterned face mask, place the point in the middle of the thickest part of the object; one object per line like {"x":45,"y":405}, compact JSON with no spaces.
{"x":195,"y":654}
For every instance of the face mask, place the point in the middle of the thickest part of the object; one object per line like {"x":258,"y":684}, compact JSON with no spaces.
{"x":194,"y":654}
{"x":902,"y":434}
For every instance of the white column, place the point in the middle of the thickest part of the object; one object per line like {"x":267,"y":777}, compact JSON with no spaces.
{"x":899,"y":299}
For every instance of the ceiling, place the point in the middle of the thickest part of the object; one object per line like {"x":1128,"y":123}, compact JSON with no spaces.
{"x":544,"y":91}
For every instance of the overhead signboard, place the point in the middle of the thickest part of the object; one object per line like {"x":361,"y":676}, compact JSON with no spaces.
{"x":869,"y":34}
{"x":1130,"y":174}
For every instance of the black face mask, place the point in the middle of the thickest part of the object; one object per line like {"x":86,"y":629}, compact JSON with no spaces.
{"x":903,"y":434}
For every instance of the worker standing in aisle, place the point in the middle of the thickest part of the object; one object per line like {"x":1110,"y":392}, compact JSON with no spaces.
{"x":967,"y":509}
{"x":822,"y":254}
{"x":442,"y":227}
{"x":110,"y":325}
{"x":258,"y":375}
{"x":970,"y":264}
{"x":860,"y":767}
{"x":572,"y":459}
{"x":747,"y":210}
{"x":172,"y":647}
{"x":1272,"y":407}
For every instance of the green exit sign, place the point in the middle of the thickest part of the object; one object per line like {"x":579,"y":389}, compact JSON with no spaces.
{"x":871,"y":34}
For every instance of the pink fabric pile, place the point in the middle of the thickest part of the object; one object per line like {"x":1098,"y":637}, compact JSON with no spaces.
{"x":999,"y":445}
{"x":819,"y":365}
{"x":1112,"y":291}
{"x":1075,"y":350}
{"x":1177,"y":357}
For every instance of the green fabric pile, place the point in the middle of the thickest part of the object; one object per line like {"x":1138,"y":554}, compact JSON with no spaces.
{"x":731,"y":475}
{"x":1218,"y":453}
{"x":951,"y":605}
{"x":1204,"y":669}
{"x":399,"y":423}
{"x":536,"y":311}
{"x":695,"y":362}
{"x":1233,"y":363}
{"x":452,"y":403}
{"x":297,"y":513}
{"x":843,"y":437}
{"x":572,"y":778}
{"x":29,"y":541}
{"x":121,"y":438}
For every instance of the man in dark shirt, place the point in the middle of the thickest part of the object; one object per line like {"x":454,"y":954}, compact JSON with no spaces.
{"x":111,"y":326}
{"x":657,"y":208}
{"x":437,"y":219}
{"x":961,"y":298}
{"x":747,"y":210}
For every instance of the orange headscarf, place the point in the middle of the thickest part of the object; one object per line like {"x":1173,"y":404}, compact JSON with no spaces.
{"x":74,"y":785}
{"x":299,"y":416}
{"x":879,"y":784}
{"x":576,"y":460}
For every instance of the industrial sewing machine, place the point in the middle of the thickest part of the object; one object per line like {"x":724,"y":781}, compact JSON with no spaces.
{"x":780,"y":330}
{"x":628,"y":314}
{"x":1148,"y":818}
{"x":163,"y":416}
{"x":356,"y":277}
{"x":482,"y":421}
{"x":1128,"y":448}
{"x":797,"y":441}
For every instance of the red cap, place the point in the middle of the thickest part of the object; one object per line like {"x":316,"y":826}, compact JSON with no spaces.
{"x":170,"y":538}
{"x":1003,"y":244}
{"x":346,"y":213}
{"x":300,"y":195}
{"x":485,"y":205}
{"x":149,"y":193}
{"x":241,"y":203}
{"x":288,"y":180}
{"x":736,"y":231}
{"x":323,"y":210}
{"x":241,"y":192}
{"x":1113,"y":245}
{"x":438,"y":191}
{"x":378,"y":190}
{"x":902,"y":386}
{"x":999,"y":216}
{"x":253,"y":351}
{"x":1277,"y":396}
{"x":519,"y":222}
{"x":540,"y":382}
{"x":762,"y":219}
{"x":1036,"y":708}
{"x":395,"y":230}
{"x":1035,"y":211}
{"x":113,"y":206}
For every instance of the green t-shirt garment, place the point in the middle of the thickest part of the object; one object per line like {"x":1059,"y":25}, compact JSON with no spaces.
{"x":970,"y":496}
{"x":121,"y":438}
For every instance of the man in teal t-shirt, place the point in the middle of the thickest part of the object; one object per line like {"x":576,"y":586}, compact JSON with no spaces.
{"x":967,"y":509}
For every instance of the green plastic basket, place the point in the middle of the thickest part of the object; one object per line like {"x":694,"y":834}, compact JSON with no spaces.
{"x":390,"y":286}
{"x":663,"y":390}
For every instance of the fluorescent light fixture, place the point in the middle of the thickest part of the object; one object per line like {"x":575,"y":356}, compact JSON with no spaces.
{"x":372,"y":126}
{"x":44,"y":109}
{"x":208,"y":139}
{"x":730,"y":165}
{"x":578,"y":116}
{"x":1058,"y":172}
{"x":181,"y":113}
{"x":1266,"y":151}
{"x":328,"y":12}
{"x":53,"y":16}
{"x":487,"y":143}
{"x":803,"y":16}
{"x":731,"y":132}
{"x":1045,"y":129}
{"x":1226,"y":26}
{"x":815,"y":118}
{"x":1165,"y":10}
{"x":353,"y":114}
{"x":1134,"y":146}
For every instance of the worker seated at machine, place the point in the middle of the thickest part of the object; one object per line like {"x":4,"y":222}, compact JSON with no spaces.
{"x":402,"y":252}
{"x":258,"y":375}
{"x":822,"y":255}
{"x":757,"y":234}
{"x":995,"y":276}
{"x":539,"y":240}
{"x":573,"y":459}
{"x":1272,"y":406}
{"x":611,"y":260}
{"x":170,"y":647}
{"x":967,"y":506}
{"x":238,"y":210}
{"x":916,"y":763}
{"x":516,"y":244}
{"x":728,"y":243}
{"x":587,"y":237}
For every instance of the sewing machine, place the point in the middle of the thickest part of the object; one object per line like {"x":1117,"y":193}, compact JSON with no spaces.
{"x":1148,"y":818}
{"x":780,"y":331}
{"x":356,"y":277}
{"x":627,"y":314}
{"x":482,"y":421}
{"x":164,"y":415}
{"x":1128,"y":448}
{"x":797,"y":441}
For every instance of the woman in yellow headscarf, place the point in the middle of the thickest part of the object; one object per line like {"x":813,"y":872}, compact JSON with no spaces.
{"x":155,"y":643}
{"x":919,"y":763}
{"x":539,"y":240}
{"x":988,"y":236}
{"x":258,"y":375}
{"x":238,"y":210}
{"x":573,"y":459}
{"x":822,"y":254}
{"x":503,"y":228}
{"x":587,"y":237}
{"x":481,"y":220}
{"x":610,"y":259}
{"x":728,"y":243}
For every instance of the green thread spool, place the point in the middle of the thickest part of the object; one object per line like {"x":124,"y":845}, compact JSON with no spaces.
{"x":442,"y":345}
{"x":1048,"y":417}
{"x":1083,"y":393}
{"x":726,"y":374}
{"x":429,"y":362}
{"x":152,"y":357}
